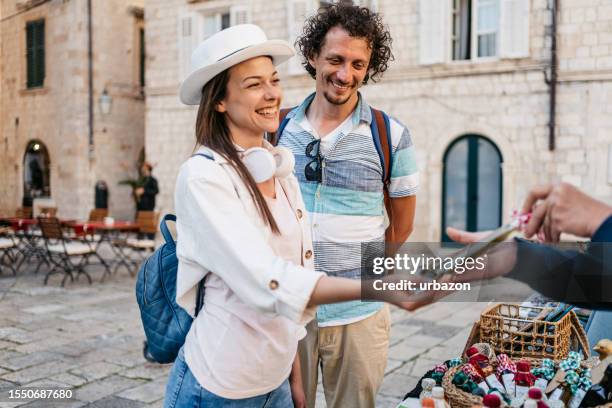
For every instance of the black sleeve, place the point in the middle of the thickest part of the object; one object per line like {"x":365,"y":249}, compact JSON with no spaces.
{"x":581,"y":278}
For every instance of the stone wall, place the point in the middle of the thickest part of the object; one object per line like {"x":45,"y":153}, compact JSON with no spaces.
{"x":506,"y":100}
{"x":57,"y":113}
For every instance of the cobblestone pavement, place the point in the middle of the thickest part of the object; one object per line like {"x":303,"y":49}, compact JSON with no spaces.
{"x":89,"y":337}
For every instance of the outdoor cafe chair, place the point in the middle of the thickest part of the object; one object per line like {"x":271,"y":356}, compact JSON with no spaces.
{"x":24,"y":212}
{"x":147,"y":228}
{"x":62,"y":251}
{"x":47,"y":211}
{"x":98,"y":214}
{"x":27,"y":236}
{"x":8,"y":251}
{"x":142,"y":244}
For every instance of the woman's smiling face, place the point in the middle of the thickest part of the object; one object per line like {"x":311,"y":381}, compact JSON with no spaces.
{"x":253,"y":98}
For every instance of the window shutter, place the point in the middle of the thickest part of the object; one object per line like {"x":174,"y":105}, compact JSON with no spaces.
{"x":515,"y":28}
{"x":434,"y":31}
{"x":296,"y":15}
{"x":35,"y":54}
{"x":187,"y":41}
{"x":30,"y":55}
{"x":40,"y":53}
{"x":239,"y":15}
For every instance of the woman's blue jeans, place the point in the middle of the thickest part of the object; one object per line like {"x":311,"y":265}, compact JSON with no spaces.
{"x":183,"y":390}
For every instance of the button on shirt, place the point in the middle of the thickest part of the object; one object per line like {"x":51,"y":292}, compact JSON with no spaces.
{"x":347,"y":207}
{"x":244,"y":340}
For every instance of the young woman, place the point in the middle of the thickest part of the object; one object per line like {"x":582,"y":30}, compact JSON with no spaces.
{"x":250,"y":241}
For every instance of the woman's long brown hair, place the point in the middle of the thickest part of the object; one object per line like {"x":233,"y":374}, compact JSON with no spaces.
{"x":212,"y":131}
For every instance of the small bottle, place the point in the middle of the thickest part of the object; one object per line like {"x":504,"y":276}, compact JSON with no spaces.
{"x":428,"y":403}
{"x":427,"y":384}
{"x":438,"y":397}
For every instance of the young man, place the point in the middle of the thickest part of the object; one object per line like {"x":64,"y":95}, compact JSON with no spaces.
{"x":341,"y":178}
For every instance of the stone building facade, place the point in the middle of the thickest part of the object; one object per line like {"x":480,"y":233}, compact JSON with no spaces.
{"x":44,"y":102}
{"x":471,"y":79}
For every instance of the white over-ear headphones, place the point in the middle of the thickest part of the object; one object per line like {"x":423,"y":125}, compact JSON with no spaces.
{"x":263,"y":164}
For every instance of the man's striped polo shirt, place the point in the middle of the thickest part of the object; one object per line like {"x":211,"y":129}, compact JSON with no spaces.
{"x":347,"y":207}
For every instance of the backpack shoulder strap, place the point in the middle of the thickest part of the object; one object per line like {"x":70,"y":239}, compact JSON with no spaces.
{"x":381,"y":132}
{"x":164,"y":228}
{"x":283,"y":120}
{"x":205,"y":155}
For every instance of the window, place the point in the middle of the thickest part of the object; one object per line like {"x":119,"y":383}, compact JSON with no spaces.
{"x":484,"y":34}
{"x":487,"y":28}
{"x":214,"y":23}
{"x":462,"y":10}
{"x":196,"y":26}
{"x":455,"y":30}
{"x":472,"y":185}
{"x":35,"y":53}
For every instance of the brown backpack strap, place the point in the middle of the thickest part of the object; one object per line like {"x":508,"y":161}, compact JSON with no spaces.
{"x":383,"y":138}
{"x":386,"y":150}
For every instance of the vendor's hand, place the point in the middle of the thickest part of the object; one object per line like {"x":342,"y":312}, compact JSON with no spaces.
{"x":563,"y":208}
{"x":500,"y":260}
{"x":465,"y":237}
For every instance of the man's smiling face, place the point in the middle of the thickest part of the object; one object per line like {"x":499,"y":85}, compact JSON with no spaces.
{"x":341,"y":66}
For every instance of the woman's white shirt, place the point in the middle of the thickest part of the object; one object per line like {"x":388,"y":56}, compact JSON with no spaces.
{"x":244,"y":340}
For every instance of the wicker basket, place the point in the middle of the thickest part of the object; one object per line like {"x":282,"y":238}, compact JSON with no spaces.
{"x":461,"y":399}
{"x":508,"y":332}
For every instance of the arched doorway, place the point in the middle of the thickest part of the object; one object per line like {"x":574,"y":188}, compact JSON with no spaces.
{"x":471,"y":185}
{"x":36,"y":172}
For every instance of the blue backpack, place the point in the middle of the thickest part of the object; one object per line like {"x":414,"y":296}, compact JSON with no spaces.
{"x":165,"y":323}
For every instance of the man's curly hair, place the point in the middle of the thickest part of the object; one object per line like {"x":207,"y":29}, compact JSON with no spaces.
{"x":357,"y":22}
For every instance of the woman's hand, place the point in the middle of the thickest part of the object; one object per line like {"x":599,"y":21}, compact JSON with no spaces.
{"x":295,"y":382}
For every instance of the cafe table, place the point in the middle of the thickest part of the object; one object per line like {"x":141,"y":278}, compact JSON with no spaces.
{"x":107,"y":233}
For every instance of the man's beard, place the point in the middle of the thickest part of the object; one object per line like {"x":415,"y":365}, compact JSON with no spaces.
{"x":337,"y":101}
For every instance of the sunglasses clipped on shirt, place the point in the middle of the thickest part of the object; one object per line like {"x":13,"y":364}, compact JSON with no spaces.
{"x":313,"y":170}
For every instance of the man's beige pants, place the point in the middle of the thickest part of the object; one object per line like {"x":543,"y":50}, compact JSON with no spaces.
{"x":353,"y":358}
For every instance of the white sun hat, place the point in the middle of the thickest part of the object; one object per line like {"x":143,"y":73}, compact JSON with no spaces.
{"x":226,"y":49}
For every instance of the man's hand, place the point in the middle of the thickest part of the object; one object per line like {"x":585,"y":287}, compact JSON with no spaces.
{"x":563,"y":208}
